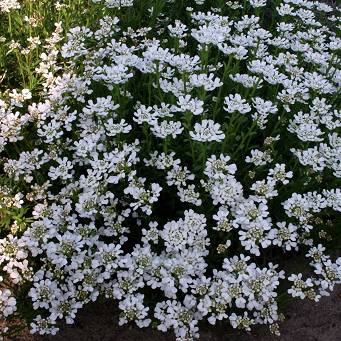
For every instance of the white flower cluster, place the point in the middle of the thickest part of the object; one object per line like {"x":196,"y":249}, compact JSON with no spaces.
{"x":150,"y":163}
{"x":7,"y":6}
{"x":115,"y":3}
{"x":7,"y":303}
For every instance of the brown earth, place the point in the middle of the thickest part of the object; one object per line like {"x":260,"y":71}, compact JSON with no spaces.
{"x":305,"y":321}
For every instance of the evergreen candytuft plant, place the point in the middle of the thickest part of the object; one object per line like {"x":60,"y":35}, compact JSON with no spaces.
{"x":168,"y":155}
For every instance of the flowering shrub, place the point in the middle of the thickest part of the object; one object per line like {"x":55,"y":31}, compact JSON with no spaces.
{"x":169,"y":158}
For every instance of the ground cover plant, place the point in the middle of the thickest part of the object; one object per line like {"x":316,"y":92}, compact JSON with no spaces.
{"x":168,"y":155}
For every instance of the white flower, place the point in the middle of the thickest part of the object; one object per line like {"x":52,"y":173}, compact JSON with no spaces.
{"x":187,"y":103}
{"x":178,"y":30}
{"x":179,"y":176}
{"x":167,"y":128}
{"x":43,"y":326}
{"x":189,"y":195}
{"x":209,"y":82}
{"x":285,"y":236}
{"x":207,"y":131}
{"x":7,"y":303}
{"x":242,"y":322}
{"x":218,"y":167}
{"x":279,"y":174}
{"x":258,"y":3}
{"x":114,"y":129}
{"x":133,"y":309}
{"x":145,"y":114}
{"x":258,"y":158}
{"x":235,"y":103}
{"x":63,"y":170}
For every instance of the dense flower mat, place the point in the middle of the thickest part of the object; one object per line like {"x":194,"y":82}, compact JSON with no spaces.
{"x":169,"y":155}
